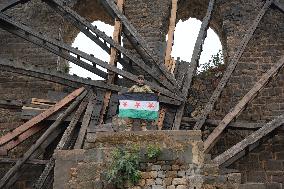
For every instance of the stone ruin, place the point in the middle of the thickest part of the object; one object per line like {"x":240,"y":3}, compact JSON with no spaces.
{"x":236,"y":117}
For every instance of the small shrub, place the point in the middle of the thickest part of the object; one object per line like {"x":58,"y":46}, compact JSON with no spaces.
{"x":153,"y":151}
{"x":125,"y":167}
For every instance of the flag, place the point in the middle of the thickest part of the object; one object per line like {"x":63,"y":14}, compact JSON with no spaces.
{"x":139,"y":105}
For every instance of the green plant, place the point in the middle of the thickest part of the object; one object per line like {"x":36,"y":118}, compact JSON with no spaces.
{"x":124,"y":167}
{"x":215,"y":61}
{"x":153,"y":151}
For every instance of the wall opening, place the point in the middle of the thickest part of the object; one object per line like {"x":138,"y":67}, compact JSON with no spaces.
{"x":185,"y":36}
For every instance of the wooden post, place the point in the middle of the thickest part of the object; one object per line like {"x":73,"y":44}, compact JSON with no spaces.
{"x":169,"y":61}
{"x":113,"y":61}
{"x":172,"y":25}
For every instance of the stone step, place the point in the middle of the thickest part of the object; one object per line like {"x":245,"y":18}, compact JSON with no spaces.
{"x":261,"y":186}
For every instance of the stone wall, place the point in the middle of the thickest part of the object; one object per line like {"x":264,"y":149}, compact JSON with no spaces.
{"x":180,"y":165}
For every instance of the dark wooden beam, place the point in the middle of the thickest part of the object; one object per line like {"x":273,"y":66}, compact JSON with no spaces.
{"x":21,"y":129}
{"x":235,"y":125}
{"x":30,"y":161}
{"x":231,"y":66}
{"x":86,"y":121}
{"x":260,"y":84}
{"x":238,"y":150}
{"x":11,"y":3}
{"x":65,"y":79}
{"x":96,"y":35}
{"x":279,"y":5}
{"x":58,"y":47}
{"x":64,"y":143}
{"x":137,"y":41}
{"x":194,"y":63}
{"x":38,"y":143}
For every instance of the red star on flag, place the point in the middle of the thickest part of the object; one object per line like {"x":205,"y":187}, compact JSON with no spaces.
{"x":151,"y":105}
{"x":137,"y":104}
{"x":124,"y":104}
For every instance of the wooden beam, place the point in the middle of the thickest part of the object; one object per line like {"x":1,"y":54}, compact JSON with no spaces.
{"x":231,"y":66}
{"x":279,"y":5}
{"x":138,"y":42}
{"x":102,"y":39}
{"x":213,"y":137}
{"x":113,"y":60}
{"x":85,"y":123}
{"x":38,"y":143}
{"x":194,"y":63}
{"x":65,"y":79}
{"x":57,"y":47}
{"x":30,"y":161}
{"x":248,"y":141}
{"x":214,"y":123}
{"x":19,"y":130}
{"x":171,"y":31}
{"x":64,"y":143}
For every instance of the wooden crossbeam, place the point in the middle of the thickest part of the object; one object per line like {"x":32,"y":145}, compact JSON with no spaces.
{"x":213,"y":137}
{"x":231,"y":66}
{"x":113,"y":61}
{"x":194,"y":63}
{"x":137,"y":41}
{"x":235,"y":125}
{"x":30,"y":161}
{"x":85,"y":123}
{"x":11,"y":3}
{"x":65,"y":79}
{"x":50,"y":44}
{"x":38,"y":143}
{"x":279,"y":5}
{"x":63,"y":144}
{"x":231,"y":153}
{"x":102,"y":39}
{"x":21,"y":129}
{"x":41,"y":149}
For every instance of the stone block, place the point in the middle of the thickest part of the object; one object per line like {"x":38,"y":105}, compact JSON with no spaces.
{"x":171,"y":174}
{"x":179,"y":181}
{"x":157,"y":187}
{"x":150,"y":182}
{"x":181,"y":187}
{"x":171,"y":187}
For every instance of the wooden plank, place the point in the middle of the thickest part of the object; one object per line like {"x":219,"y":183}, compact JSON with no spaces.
{"x":21,"y":138}
{"x":171,"y":31}
{"x":248,"y":141}
{"x":279,"y":5}
{"x":38,"y":143}
{"x":19,"y":130}
{"x":113,"y":61}
{"x":231,"y":66}
{"x":30,"y":161}
{"x":65,"y":79}
{"x":35,"y":155}
{"x":62,"y":145}
{"x":194,"y":63}
{"x":214,"y":123}
{"x":95,"y":34}
{"x":138,"y":42}
{"x":57,"y":47}
{"x":213,"y":137}
{"x":11,"y":104}
{"x":85,"y":122}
